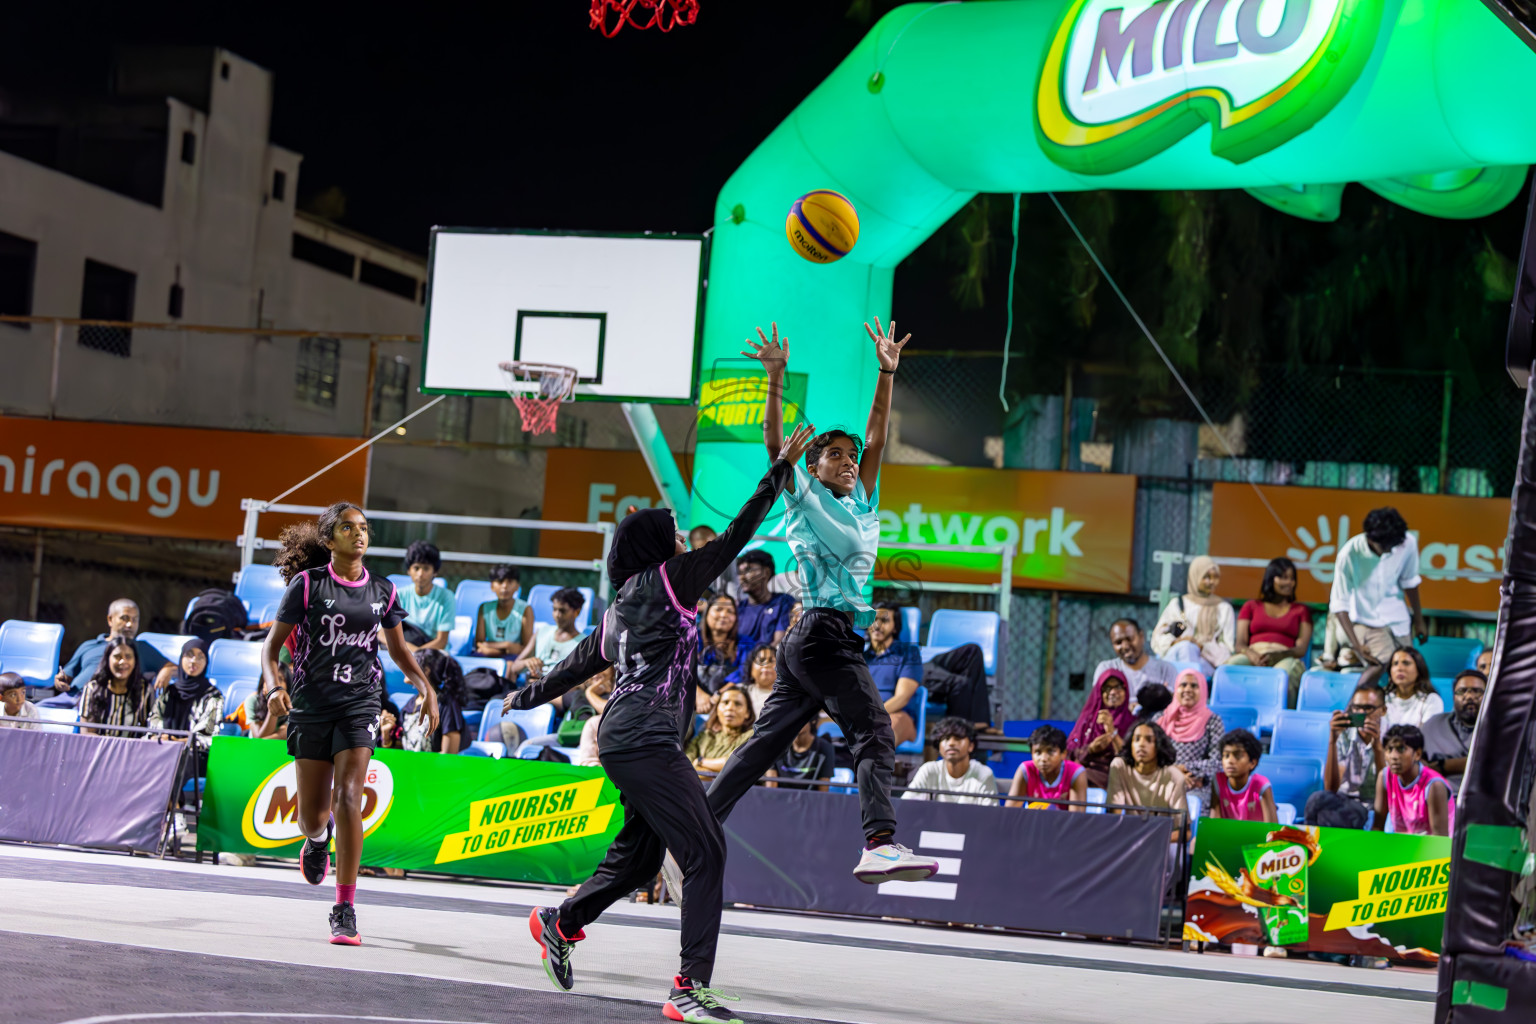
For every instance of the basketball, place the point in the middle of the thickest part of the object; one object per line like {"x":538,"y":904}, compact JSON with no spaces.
{"x":823,"y":226}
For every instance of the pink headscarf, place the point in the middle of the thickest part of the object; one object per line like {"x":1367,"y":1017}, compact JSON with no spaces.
{"x":1087,"y":728}
{"x":1185,"y":725}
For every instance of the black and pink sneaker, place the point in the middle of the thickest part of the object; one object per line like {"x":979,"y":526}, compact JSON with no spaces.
{"x":315,"y":858}
{"x":344,"y":926}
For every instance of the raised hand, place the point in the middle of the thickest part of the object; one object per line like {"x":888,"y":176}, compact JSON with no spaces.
{"x":887,"y":349}
{"x":773,"y":353}
{"x":796,"y":444}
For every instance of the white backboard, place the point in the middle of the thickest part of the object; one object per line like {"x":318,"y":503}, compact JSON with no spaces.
{"x":624,"y":310}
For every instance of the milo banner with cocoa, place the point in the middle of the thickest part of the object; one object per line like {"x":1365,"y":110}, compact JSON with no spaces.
{"x":1328,"y":890}
{"x":527,"y":821}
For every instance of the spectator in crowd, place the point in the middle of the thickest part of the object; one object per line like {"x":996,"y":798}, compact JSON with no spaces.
{"x":762,"y":670}
{"x":1148,"y":776}
{"x":957,"y":678}
{"x":1349,"y":776}
{"x":1239,"y":793}
{"x":1197,"y":627}
{"x":593,"y":694}
{"x":729,"y":582}
{"x":1485,"y":663}
{"x":391,"y":734}
{"x":1195,"y":731}
{"x":447,"y":678}
{"x":1375,"y":580}
{"x":1276,"y":630}
{"x":1048,"y":775}
{"x":763,"y":616}
{"x":895,"y":667}
{"x":15,"y":710}
{"x":794,"y":614}
{"x":1417,"y":797}
{"x":728,"y":726}
{"x":809,"y":757}
{"x":117,"y":694}
{"x":185,"y":700}
{"x":1448,"y":736}
{"x":586,"y":747}
{"x":1099,"y":735}
{"x":1132,"y":660}
{"x":552,"y":641}
{"x":122,"y":621}
{"x":1411,"y":697}
{"x":504,"y":626}
{"x":722,"y":653}
{"x":263,"y":726}
{"x":428,"y":607}
{"x":1152,"y":701}
{"x":961,"y":780}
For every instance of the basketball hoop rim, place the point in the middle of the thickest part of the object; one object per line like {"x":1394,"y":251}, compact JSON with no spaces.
{"x":521,"y":369}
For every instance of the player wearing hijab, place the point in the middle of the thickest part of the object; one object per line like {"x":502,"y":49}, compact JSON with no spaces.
{"x":649,"y":635}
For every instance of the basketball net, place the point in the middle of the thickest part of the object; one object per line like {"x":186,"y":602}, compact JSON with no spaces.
{"x":540,"y":407}
{"x":610,"y":16}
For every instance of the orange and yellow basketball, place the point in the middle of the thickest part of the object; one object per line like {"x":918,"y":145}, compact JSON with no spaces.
{"x":823,"y":226}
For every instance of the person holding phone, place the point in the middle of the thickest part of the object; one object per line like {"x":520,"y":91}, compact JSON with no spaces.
{"x":1349,"y":776}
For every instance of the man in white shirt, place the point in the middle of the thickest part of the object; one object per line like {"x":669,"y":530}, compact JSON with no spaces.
{"x":1375,"y":580}
{"x":962,"y":780}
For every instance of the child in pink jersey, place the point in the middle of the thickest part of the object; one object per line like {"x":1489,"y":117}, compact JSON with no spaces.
{"x":1239,"y":793}
{"x":1416,"y":796}
{"x":1049,"y":775}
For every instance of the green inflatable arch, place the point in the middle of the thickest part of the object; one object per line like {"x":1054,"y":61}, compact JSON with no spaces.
{"x":1425,"y":102}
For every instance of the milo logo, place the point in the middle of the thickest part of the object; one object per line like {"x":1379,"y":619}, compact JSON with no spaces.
{"x":1121,"y":82}
{"x":1279,"y":863}
{"x":271,"y":817}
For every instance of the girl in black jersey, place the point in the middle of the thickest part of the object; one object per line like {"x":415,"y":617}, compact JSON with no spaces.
{"x":330,"y":617}
{"x":650,"y":636}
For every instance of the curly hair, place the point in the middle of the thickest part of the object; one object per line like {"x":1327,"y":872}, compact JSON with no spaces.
{"x":953,"y":727}
{"x":821,"y":442}
{"x":303,"y":544}
{"x":444,"y":672}
{"x":1166,"y":754}
{"x":1245,"y":741}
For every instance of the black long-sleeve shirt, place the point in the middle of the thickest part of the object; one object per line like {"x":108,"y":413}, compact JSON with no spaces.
{"x":650,"y":635}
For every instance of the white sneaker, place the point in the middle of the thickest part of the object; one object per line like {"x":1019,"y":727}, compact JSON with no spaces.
{"x":892,"y":862}
{"x":673,"y":876}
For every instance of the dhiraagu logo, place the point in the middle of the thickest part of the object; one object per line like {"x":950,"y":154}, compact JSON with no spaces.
{"x":1121,"y":82}
{"x":271,"y":817}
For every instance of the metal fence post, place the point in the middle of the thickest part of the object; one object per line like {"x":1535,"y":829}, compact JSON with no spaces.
{"x":53,"y":380}
{"x":1050,"y":655}
{"x":37,"y":577}
{"x":1445,"y":436}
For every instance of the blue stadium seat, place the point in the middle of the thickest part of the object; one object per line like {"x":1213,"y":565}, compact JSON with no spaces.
{"x":259,"y":586}
{"x":1445,"y":686}
{"x":237,"y":693}
{"x":229,"y":660}
{"x":1447,"y":655}
{"x":1302,"y":733}
{"x":266,"y":613}
{"x":1096,"y":799}
{"x":1286,"y":813}
{"x":539,"y":599}
{"x":1322,"y":690}
{"x":31,"y":650}
{"x":469,"y":595}
{"x":1179,"y":667}
{"x":534,"y":722}
{"x":1195,"y":806}
{"x":403,"y":582}
{"x":1263,"y":689}
{"x":920,"y":702}
{"x":469,"y":663}
{"x":471,"y":723}
{"x":394,"y":678}
{"x":950,"y":627}
{"x":911,"y":623}
{"x":168,"y":644}
{"x":401,"y":697}
{"x":845,"y":776}
{"x":490,"y":721}
{"x":831,"y":730}
{"x":1237,"y":716}
{"x":57,"y":719}
{"x":461,"y":639}
{"x":1292,"y":779}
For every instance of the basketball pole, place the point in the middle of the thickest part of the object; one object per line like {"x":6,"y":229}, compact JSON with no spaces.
{"x":658,"y":459}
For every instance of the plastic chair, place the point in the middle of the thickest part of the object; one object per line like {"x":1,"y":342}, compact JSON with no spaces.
{"x":1286,"y":813}
{"x":533,"y":723}
{"x":845,"y":776}
{"x":1322,"y":690}
{"x":1445,"y":686}
{"x":237,"y":693}
{"x":1302,"y":733}
{"x":31,"y":650}
{"x":1263,"y":689}
{"x":911,"y":623}
{"x":949,"y":628}
{"x":259,"y":586}
{"x":168,"y":644}
{"x":1096,"y":799}
{"x":403,"y":582}
{"x":539,"y":599}
{"x":394,"y":677}
{"x":461,"y":639}
{"x":1179,"y":667}
{"x":1292,"y":779}
{"x":490,"y":721}
{"x":920,"y":702}
{"x":1194,"y":806}
{"x":230,"y":660}
{"x":1447,"y":655}
{"x":831,"y":730}
{"x":469,"y":663}
{"x":469,"y":595}
{"x":57,"y":719}
{"x":1236,"y":716}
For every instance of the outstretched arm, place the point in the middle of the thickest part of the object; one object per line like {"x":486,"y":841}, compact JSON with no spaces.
{"x":888,"y":352}
{"x":585,"y":661}
{"x":773,"y":353}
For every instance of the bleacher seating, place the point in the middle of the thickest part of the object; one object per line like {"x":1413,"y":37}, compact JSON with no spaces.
{"x":831,"y":730}
{"x":919,"y":702}
{"x":1303,"y":733}
{"x":911,"y":624}
{"x":1322,"y":690}
{"x":461,"y":639}
{"x":469,"y":595}
{"x":1286,"y":813}
{"x":394,"y":678}
{"x":539,"y":599}
{"x":950,"y":627}
{"x":1096,"y":799}
{"x":1445,"y":686}
{"x":1180,"y":667}
{"x":1292,"y":779}
{"x":259,"y":586}
{"x":534,"y":722}
{"x":229,"y":660}
{"x":31,"y":650}
{"x":845,"y":776}
{"x":237,"y":693}
{"x":403,"y":582}
{"x":1250,"y":686}
{"x":1236,"y":717}
{"x":57,"y":719}
{"x":469,"y":663}
{"x":1447,"y":655}
{"x":168,"y":644}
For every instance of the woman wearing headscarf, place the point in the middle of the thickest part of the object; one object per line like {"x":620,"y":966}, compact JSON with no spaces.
{"x":650,"y":636}
{"x":189,"y":702}
{"x":1099,"y":735}
{"x":1196,"y":732}
{"x":1197,"y":627}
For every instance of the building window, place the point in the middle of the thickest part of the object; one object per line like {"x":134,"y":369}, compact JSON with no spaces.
{"x":403,"y":285}
{"x":319,"y":366}
{"x":391,"y":382}
{"x":224,"y":70}
{"x":279,"y":185}
{"x":188,"y":147}
{"x":107,"y":294}
{"x":322,"y":255}
{"x":453,"y":419}
{"x":173,"y":307}
{"x":570,"y":430}
{"x":18,"y":262}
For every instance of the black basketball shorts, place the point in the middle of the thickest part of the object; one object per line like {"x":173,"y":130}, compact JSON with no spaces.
{"x":322,"y":741}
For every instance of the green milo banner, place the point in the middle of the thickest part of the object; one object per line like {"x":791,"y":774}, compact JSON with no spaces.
{"x":527,"y":821}
{"x":1328,"y":890}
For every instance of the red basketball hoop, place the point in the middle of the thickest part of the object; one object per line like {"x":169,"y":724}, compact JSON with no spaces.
{"x":610,"y":16}
{"x":537,"y":389}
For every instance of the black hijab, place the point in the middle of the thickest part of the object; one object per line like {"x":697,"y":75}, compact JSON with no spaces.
{"x":645,"y":537}
{"x":186,"y":690}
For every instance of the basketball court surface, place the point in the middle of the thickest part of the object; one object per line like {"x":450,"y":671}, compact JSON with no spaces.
{"x":98,"y":938}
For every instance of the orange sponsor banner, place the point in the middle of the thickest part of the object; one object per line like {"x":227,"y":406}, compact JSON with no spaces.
{"x":160,"y":481}
{"x":1454,"y":533}
{"x":583,"y":485}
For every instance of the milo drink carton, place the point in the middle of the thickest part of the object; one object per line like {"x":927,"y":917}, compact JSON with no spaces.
{"x":1277,"y":879}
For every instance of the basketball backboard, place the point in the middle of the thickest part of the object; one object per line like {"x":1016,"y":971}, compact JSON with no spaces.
{"x":625,"y":310}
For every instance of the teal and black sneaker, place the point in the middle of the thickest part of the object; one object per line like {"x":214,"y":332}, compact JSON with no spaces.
{"x":544,"y":923}
{"x":697,"y":1004}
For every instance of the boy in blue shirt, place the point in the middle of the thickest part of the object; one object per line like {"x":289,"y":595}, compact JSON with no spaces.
{"x":427,"y":606}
